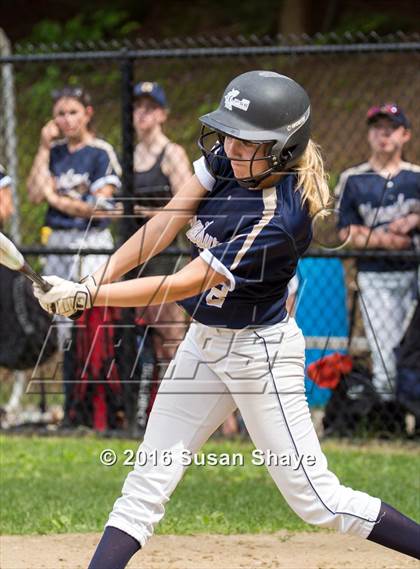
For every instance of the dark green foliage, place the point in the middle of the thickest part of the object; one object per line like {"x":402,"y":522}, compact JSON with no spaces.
{"x":85,"y":26}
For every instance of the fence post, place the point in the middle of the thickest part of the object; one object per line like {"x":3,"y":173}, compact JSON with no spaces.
{"x":9,"y":133}
{"x":127,"y":369}
{"x":127,"y":76}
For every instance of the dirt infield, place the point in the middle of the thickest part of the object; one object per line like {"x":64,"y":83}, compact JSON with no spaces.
{"x":275,"y":551}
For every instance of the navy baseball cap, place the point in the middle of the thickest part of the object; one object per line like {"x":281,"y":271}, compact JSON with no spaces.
{"x":153,"y":90}
{"x":389,"y":110}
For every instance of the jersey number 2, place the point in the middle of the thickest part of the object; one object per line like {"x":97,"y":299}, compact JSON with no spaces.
{"x":217,"y":295}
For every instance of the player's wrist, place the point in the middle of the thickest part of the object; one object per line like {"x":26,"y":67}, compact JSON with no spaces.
{"x":50,"y":195}
{"x":89,"y":282}
{"x":44,"y":147}
{"x":413,"y":220}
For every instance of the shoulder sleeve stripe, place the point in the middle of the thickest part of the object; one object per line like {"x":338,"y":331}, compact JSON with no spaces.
{"x":203,"y":175}
{"x":354,"y":171}
{"x":219,"y":267}
{"x":411,"y":167}
{"x":6,"y":181}
{"x":110,"y":179}
{"x":270,"y":202}
{"x":108,"y":148}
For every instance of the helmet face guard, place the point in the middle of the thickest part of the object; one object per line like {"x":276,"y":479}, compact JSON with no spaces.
{"x":265,"y":108}
{"x":211,"y":152}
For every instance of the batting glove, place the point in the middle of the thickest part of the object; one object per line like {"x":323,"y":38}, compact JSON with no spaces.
{"x":66,"y":298}
{"x":88,"y":281}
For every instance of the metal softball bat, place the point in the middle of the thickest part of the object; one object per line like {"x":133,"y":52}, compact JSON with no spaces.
{"x":12,"y":258}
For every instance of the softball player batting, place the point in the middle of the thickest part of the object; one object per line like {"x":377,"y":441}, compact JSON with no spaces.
{"x":250,"y":204}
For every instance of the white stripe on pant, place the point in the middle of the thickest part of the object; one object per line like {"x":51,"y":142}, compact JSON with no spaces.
{"x":260,"y":371}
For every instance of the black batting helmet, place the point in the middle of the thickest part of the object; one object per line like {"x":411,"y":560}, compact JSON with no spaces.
{"x":262,"y":107}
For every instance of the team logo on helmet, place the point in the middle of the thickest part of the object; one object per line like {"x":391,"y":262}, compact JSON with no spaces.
{"x":231,"y":101}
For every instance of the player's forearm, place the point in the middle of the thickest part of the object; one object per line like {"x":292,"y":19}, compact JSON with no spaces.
{"x":76,"y":208}
{"x":137,"y":292}
{"x":191,"y":280}
{"x":149,"y":291}
{"x":362,"y":237}
{"x":39,"y":177}
{"x":416,"y":216}
{"x":6,"y":204}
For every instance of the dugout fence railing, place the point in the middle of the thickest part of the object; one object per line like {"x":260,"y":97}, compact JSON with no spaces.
{"x":344,"y":76}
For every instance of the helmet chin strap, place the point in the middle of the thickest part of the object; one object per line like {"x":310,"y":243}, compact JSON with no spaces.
{"x":252,"y":182}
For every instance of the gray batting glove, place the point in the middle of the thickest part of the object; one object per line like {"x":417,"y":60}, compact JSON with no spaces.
{"x":65,"y":297}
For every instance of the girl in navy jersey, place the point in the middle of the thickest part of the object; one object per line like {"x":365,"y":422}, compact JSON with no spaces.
{"x":77,"y":174}
{"x":250,"y":204}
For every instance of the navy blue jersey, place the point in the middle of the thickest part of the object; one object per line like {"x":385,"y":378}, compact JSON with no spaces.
{"x":79,"y":174}
{"x":366,"y":198}
{"x":5,"y":180}
{"x":254,"y":238}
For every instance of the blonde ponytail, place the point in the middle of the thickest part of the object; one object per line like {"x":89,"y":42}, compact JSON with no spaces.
{"x":312,"y":178}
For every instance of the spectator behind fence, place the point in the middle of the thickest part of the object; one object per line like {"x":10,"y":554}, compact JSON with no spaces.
{"x":77,"y":174}
{"x":161,"y":168}
{"x":379,"y":208}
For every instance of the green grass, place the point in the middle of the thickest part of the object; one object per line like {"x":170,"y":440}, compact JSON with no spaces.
{"x":57,"y":485}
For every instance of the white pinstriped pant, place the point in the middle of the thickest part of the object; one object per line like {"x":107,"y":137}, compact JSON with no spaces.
{"x":260,"y":371}
{"x":385,"y":300}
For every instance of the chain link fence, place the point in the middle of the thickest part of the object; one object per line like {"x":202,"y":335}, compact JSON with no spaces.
{"x":344,"y":76}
